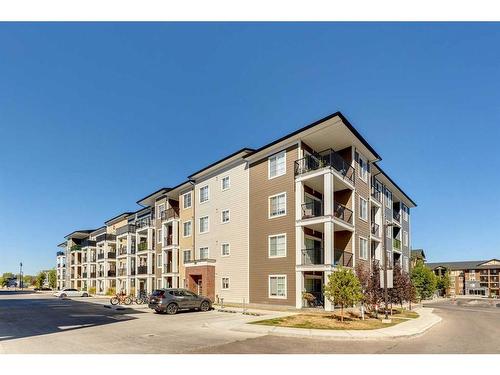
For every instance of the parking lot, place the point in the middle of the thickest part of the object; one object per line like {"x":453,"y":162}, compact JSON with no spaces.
{"x":41,"y":323}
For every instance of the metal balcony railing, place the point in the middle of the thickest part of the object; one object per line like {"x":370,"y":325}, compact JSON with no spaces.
{"x":342,"y":212}
{"x":129,"y":228}
{"x":313,"y":256}
{"x":312,"y":209}
{"x":375,"y":229}
{"x":111,"y":255}
{"x":122,"y":250}
{"x":88,"y":243}
{"x":100,"y":256}
{"x":75,"y":248}
{"x":105,"y":237}
{"x":142,"y":270}
{"x":142,"y":246}
{"x":171,"y":213}
{"x":111,"y":273}
{"x":168,"y":268}
{"x":396,"y":215}
{"x":100,"y":274}
{"x":92,"y":275}
{"x":342,"y":258}
{"x":122,"y":272}
{"x":326,"y":158}
{"x":376,"y":193}
{"x":143,"y":223}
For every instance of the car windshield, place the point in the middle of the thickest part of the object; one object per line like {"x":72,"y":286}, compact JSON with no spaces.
{"x":158,"y":293}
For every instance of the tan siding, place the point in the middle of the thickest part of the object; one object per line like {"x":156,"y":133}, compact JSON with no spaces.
{"x":362,"y":227}
{"x":185,"y":243}
{"x":261,"y":266}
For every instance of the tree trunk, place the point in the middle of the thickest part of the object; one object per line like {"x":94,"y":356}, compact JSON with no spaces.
{"x":342,"y":313}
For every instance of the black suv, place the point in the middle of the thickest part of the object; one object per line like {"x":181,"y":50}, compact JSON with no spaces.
{"x":171,"y":300}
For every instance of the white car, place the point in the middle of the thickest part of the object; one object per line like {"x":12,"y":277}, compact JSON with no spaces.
{"x":68,"y":292}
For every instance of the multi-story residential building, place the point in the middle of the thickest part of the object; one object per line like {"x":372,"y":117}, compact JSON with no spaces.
{"x":417,"y":255}
{"x":261,"y":226}
{"x":478,"y":277}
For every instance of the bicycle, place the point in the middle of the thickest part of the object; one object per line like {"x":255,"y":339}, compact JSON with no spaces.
{"x":120,"y":299}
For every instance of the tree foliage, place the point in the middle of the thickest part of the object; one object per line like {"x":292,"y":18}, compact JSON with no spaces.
{"x":424,"y":281}
{"x":52,"y":279}
{"x":443,"y":283}
{"x":343,"y":288}
{"x":40,"y":279}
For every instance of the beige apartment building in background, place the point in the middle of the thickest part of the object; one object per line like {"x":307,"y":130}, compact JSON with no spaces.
{"x":259,"y":226}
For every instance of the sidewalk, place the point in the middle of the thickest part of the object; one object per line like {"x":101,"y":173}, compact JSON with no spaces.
{"x":411,"y":328}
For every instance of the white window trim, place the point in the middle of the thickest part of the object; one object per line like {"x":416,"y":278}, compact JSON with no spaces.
{"x":365,"y":161}
{"x":388,"y":202}
{"x":269,"y":287}
{"x":222,"y":249}
{"x":228,"y":283}
{"x":190,"y":253}
{"x":221,"y":216}
{"x":158,"y":214}
{"x":184,"y":200}
{"x":269,"y":205}
{"x":365,"y":239}
{"x":160,"y":235}
{"x":199,"y":252}
{"x":360,"y":211}
{"x":405,"y":212}
{"x":405,"y":238}
{"x":191,"y":229}
{"x":208,"y":193}
{"x":159,"y":260}
{"x":222,"y":183}
{"x":269,"y":245}
{"x":208,"y":224}
{"x":269,"y":164}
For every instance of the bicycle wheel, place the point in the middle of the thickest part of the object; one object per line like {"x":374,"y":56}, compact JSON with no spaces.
{"x":127,"y":301}
{"x":114,"y":301}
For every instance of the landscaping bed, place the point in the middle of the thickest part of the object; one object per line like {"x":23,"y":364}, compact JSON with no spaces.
{"x":332,"y":321}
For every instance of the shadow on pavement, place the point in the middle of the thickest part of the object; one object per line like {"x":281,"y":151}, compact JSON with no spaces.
{"x":27,"y":317}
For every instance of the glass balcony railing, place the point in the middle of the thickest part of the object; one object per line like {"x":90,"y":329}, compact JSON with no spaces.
{"x":342,"y":212}
{"x":323,"y":159}
{"x":396,"y":244}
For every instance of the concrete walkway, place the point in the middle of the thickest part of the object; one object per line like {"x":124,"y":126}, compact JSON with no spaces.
{"x":410,"y":328}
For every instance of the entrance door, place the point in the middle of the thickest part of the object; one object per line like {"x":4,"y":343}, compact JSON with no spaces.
{"x":199,"y":286}
{"x":313,"y":253}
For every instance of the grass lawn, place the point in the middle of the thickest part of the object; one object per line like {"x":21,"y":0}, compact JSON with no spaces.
{"x":332,"y":321}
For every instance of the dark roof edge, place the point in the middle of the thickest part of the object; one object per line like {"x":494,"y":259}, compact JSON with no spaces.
{"x":251,"y":150}
{"x":117,"y":216}
{"x":396,"y":185}
{"x":344,"y":120}
{"x":81,"y":231}
{"x":149,"y":195}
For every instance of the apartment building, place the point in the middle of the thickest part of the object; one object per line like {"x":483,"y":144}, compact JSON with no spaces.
{"x":61,"y":268}
{"x":261,"y":226}
{"x":478,"y":277}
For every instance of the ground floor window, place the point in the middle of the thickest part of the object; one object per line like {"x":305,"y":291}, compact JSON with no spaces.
{"x":277,"y":286}
{"x":225,"y":283}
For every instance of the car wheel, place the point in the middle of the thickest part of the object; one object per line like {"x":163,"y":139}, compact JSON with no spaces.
{"x":85,"y":295}
{"x":159,"y":311}
{"x":205,"y":306}
{"x":63,"y":295}
{"x":172,"y":309}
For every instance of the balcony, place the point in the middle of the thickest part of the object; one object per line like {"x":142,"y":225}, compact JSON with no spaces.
{"x":312,"y":209}
{"x":313,"y":256}
{"x":84,"y":275}
{"x":60,"y":253}
{"x":129,"y":228}
{"x":122,"y":272}
{"x":326,"y":158}
{"x":111,"y":273}
{"x":168,"y":240}
{"x":142,"y":270}
{"x":168,"y":268}
{"x":342,"y":212}
{"x":375,"y":229}
{"x":75,"y":248}
{"x":92,"y":275}
{"x":143,"y":223}
{"x":92,"y":259}
{"x":376,"y":193}
{"x":100,"y":274}
{"x":88,"y":243}
{"x":342,"y":258}
{"x":396,"y":215}
{"x":100,"y":256}
{"x":142,"y":246}
{"x":111,"y":255}
{"x":122,"y":250}
{"x":171,"y":213}
{"x":105,"y":237}
{"x":396,"y":244}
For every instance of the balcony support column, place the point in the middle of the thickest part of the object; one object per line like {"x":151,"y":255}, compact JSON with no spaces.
{"x":328,"y":198}
{"x":328,"y":305}
{"x":328,"y":240}
{"x":299,"y":288}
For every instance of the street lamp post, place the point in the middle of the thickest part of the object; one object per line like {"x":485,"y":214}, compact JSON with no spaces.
{"x":21,"y":275}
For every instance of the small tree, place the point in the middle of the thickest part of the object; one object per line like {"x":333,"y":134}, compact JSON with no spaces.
{"x":52,"y":279}
{"x":397,"y":292}
{"x":343,"y":288}
{"x":423,"y":280}
{"x":374,"y":293}
{"x":40,"y":279}
{"x":443,"y":283}
{"x":363,"y":273}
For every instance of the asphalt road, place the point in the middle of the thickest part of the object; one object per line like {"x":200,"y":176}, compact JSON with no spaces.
{"x":35,"y":323}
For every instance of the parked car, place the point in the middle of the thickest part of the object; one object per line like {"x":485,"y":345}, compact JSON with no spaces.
{"x":171,"y":300}
{"x":69,"y":292}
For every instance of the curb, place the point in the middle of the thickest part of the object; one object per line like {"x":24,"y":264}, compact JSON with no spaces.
{"x":377,"y":334}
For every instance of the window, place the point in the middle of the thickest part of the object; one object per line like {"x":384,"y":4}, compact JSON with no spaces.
{"x":277,"y":205}
{"x":405,"y":213}
{"x":388,"y":233}
{"x":388,"y":198}
{"x":186,"y":228}
{"x":204,"y":194}
{"x":186,"y":199}
{"x":203,"y":253}
{"x":277,"y":165}
{"x":225,"y":183}
{"x":363,"y":248}
{"x":161,"y":209}
{"x":225,"y":251}
{"x":405,"y":238}
{"x":277,"y":286}
{"x":363,"y":209}
{"x":225,"y":216}
{"x":158,"y":261}
{"x":160,"y":234}
{"x":204,"y":224}
{"x":225,"y":283}
{"x":186,"y":256}
{"x":405,"y":264}
{"x":277,"y":246}
{"x":363,"y":168}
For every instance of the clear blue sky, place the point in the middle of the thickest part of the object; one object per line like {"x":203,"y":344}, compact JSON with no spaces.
{"x":95,"y":116}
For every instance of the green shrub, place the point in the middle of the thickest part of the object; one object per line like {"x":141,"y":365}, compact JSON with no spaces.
{"x":92,"y":290}
{"x":111,"y":291}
